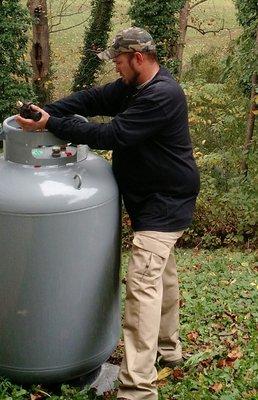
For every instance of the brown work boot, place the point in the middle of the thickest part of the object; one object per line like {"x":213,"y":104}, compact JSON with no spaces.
{"x":171,"y":364}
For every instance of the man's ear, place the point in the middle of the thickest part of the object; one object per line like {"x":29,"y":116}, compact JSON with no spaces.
{"x":139,"y":57}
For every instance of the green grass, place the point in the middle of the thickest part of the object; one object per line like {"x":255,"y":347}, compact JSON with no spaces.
{"x":218,"y":332}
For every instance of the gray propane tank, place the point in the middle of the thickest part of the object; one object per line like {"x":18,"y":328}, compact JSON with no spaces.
{"x":59,"y":258}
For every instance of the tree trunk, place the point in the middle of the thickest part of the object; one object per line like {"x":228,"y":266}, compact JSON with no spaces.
{"x":251,"y":116}
{"x":40,"y":53}
{"x":183,"y":19}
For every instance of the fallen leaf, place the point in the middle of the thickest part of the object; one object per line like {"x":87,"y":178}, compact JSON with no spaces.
{"x":229,"y":343}
{"x":225,"y":362}
{"x":36,"y":397}
{"x":230,"y":315}
{"x":181,"y":303}
{"x":193,"y":336}
{"x":161,"y":383}
{"x":216,"y":387}
{"x":206,"y":363}
{"x":178,"y":373}
{"x":40,"y":395}
{"x":235,"y":354}
{"x":164,"y":373}
{"x":197,"y":266}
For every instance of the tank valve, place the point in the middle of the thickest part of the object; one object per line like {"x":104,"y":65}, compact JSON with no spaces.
{"x":26,"y":111}
{"x":56,"y":151}
{"x":63,"y":147}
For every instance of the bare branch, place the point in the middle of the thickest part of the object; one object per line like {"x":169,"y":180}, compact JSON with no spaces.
{"x":197,"y":4}
{"x":203,"y":32}
{"x":65,"y":7}
{"x":79,"y":9}
{"x":69,"y":27}
{"x":58,"y":23}
{"x":62,"y":14}
{"x":67,"y":15}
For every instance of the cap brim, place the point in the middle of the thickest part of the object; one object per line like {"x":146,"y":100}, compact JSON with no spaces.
{"x":108,"y":54}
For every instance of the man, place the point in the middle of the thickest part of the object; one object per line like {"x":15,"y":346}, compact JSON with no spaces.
{"x":157,"y":176}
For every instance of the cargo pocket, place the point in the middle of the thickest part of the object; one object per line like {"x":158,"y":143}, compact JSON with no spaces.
{"x":150,"y":257}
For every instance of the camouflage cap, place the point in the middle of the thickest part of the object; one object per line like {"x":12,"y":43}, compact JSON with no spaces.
{"x":128,"y":41}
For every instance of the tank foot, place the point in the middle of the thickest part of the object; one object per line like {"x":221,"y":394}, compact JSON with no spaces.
{"x":79,"y":382}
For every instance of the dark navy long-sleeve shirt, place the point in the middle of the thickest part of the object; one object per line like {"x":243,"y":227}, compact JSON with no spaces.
{"x":152,"y":152}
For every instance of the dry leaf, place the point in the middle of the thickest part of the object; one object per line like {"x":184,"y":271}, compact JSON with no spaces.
{"x":164,"y":373}
{"x":231,"y":315}
{"x":235,"y":354}
{"x":36,"y":397}
{"x":178,"y":373}
{"x":222,"y":363}
{"x":225,"y":363}
{"x":216,"y":387}
{"x":193,"y":336}
{"x":206,"y":363}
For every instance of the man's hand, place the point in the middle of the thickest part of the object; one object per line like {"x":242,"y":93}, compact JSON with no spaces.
{"x":29,"y":124}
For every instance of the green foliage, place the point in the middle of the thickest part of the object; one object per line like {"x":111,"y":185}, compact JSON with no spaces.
{"x":205,"y":67}
{"x":95,"y":40}
{"x":160,"y":18}
{"x":246,"y":12}
{"x":9,"y":391}
{"x":242,"y":59}
{"x":217,"y":116}
{"x":225,"y":213}
{"x":14,"y":70}
{"x":226,"y":208}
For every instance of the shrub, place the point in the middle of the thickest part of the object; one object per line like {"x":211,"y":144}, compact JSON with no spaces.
{"x":217,"y":115}
{"x":206,"y":66}
{"x":226,"y":207}
{"x":225,"y":212}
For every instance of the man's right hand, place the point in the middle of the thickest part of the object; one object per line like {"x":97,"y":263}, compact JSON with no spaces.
{"x":29,"y":124}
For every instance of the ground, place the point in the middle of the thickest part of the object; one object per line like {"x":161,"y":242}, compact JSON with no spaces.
{"x":218,"y":331}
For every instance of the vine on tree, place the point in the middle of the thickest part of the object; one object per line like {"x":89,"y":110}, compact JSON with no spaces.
{"x":242,"y":63}
{"x":14,"y":71}
{"x":161,"y":19}
{"x":245,"y":63}
{"x":95,"y":40}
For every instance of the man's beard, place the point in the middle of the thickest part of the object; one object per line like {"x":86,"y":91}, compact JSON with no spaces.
{"x":134,"y":79}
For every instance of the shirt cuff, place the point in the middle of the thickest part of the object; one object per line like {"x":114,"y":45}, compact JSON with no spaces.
{"x":53,"y":124}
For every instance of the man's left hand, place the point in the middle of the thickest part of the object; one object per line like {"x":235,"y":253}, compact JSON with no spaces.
{"x":29,"y":124}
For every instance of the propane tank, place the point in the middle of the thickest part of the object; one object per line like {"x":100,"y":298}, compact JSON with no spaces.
{"x":59,"y":258}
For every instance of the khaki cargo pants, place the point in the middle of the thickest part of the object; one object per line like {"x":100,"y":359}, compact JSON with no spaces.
{"x":151,"y":313}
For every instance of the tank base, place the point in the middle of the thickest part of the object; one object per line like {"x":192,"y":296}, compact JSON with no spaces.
{"x":52,"y":380}
{"x":86,"y":370}
{"x":85,"y":379}
{"x":79,"y":382}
